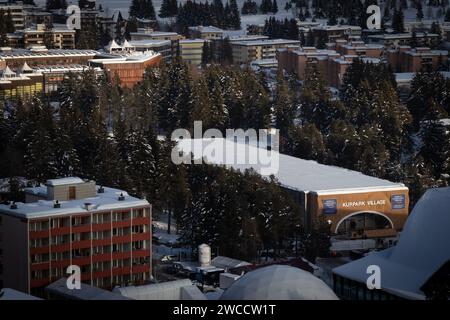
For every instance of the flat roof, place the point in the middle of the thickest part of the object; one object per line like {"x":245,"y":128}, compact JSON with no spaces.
{"x":11,"y":294}
{"x":292,"y":173}
{"x":265,"y":42}
{"x":27,"y":53}
{"x":86,"y":292}
{"x":406,"y":35}
{"x":44,"y":208}
{"x":149,"y":42}
{"x":210,"y":29}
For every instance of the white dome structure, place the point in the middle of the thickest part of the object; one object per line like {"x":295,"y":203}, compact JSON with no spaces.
{"x":279,"y":282}
{"x":422,"y":249}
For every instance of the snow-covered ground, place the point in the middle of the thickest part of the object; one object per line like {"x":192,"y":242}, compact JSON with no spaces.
{"x":123,"y":6}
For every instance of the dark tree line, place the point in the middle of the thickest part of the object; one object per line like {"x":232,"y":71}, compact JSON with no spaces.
{"x":285,"y":29}
{"x":206,"y":14}
{"x":369,"y":129}
{"x":105,"y":133}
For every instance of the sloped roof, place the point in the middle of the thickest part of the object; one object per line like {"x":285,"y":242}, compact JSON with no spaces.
{"x":293,"y":173}
{"x":8,"y":72}
{"x":113,"y":45}
{"x":422,"y":249}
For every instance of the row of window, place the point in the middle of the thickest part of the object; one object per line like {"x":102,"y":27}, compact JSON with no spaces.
{"x":83,"y":236}
{"x":87,"y":252}
{"x":85,"y":220}
{"x":95,"y":267}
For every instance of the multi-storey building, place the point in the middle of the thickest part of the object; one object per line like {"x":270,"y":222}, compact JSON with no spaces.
{"x":206,"y":32}
{"x":357,"y":48}
{"x":332,"y":33}
{"x":70,"y":221}
{"x":58,"y":37}
{"x":17,"y":14}
{"x":296,"y":61}
{"x":191,"y":50}
{"x":393,"y":40}
{"x":407,"y":59}
{"x":149,"y":34}
{"x":248,"y":51}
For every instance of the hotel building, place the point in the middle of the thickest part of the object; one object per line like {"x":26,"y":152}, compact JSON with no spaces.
{"x":70,"y":221}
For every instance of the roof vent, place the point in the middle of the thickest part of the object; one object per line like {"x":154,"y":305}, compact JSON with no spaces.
{"x":13,"y":205}
{"x":101,"y":190}
{"x":88,"y":206}
{"x":56,"y":204}
{"x":121,"y":197}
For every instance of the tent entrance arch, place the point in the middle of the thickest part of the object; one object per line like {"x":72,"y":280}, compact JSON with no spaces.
{"x":358,"y":222}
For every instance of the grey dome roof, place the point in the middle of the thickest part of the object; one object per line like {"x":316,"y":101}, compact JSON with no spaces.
{"x":279,"y":282}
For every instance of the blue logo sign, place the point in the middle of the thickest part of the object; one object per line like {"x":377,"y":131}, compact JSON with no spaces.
{"x":398,"y":201}
{"x":329,"y":206}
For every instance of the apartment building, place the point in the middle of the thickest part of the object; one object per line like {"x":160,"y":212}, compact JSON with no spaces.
{"x":58,"y":37}
{"x":357,"y":48}
{"x":70,"y":221}
{"x":17,"y":14}
{"x":206,"y":32}
{"x":407,"y":59}
{"x":150,"y":34}
{"x":332,"y":62}
{"x":333,"y":33}
{"x":247,"y":51}
{"x":393,"y":40}
{"x":191,"y":51}
{"x":296,"y":60}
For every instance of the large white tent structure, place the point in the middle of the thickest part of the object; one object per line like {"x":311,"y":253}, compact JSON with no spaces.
{"x":279,"y":282}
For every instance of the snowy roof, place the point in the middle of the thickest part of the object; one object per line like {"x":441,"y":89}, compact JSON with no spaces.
{"x":208,"y":29}
{"x":293,"y":173}
{"x":170,"y":290}
{"x":191,"y":41}
{"x":8,"y":72}
{"x":11,"y":294}
{"x":101,"y":202}
{"x":278,"y":282}
{"x":25,"y":68}
{"x":113,"y":45}
{"x":400,"y":35}
{"x":86,"y":292}
{"x":148,"y":43}
{"x":265,"y":42}
{"x":228,"y":263}
{"x":63,"y":181}
{"x":421,"y":250}
{"x":126,"y":44}
{"x":32,"y":53}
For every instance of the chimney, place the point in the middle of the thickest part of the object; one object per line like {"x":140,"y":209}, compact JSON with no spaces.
{"x":121,"y":197}
{"x":56,"y":204}
{"x":101,"y":190}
